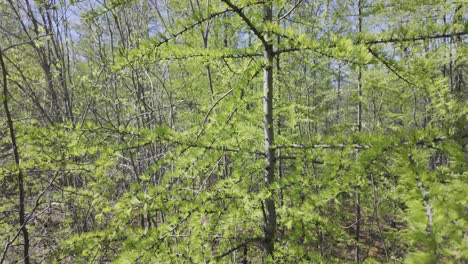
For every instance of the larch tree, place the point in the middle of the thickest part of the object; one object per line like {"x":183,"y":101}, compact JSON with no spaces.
{"x":233,"y":131}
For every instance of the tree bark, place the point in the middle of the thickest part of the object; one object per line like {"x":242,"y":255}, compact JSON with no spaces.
{"x":266,"y":38}
{"x":270,"y":210}
{"x":359,"y":128}
{"x":22,"y":222}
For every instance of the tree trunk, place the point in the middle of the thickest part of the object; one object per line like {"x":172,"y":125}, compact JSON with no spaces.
{"x":359,"y":128}
{"x":270,"y":210}
{"x":22,"y":220}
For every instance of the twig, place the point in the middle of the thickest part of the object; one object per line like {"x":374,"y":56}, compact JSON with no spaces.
{"x":249,"y":23}
{"x":376,"y":216}
{"x":290,"y":10}
{"x":390,"y":67}
{"x":425,"y":194}
{"x":243,"y":244}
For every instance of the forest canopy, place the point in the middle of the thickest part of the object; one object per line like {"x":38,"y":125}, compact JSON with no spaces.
{"x":233,"y":131}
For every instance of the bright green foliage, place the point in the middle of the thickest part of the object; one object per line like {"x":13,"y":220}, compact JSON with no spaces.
{"x":140,"y":130}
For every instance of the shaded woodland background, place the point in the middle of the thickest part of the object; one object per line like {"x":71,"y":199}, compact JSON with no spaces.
{"x":233,"y":131}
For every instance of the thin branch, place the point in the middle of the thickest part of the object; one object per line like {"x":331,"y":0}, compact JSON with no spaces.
{"x":323,"y":146}
{"x":224,"y":56}
{"x":185,"y":29}
{"x":425,"y":193}
{"x":25,"y":42}
{"x":368,"y":42}
{"x":215,"y":104}
{"x":222,"y":148}
{"x":422,"y":142}
{"x":304,"y":47}
{"x":390,"y":67}
{"x":37,"y":204}
{"x":249,"y":23}
{"x":290,"y":10}
{"x":161,"y":239}
{"x":238,"y":246}
{"x":403,"y":39}
{"x":205,"y":120}
{"x":376,"y":216}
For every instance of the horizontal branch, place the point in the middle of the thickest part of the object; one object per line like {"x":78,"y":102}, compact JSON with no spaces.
{"x":26,"y":42}
{"x":403,"y":39}
{"x":371,"y":42}
{"x":304,"y":48}
{"x":283,"y":157}
{"x":422,"y":142}
{"x":223,"y":148}
{"x":224,"y":56}
{"x":279,"y":51}
{"x":238,"y":246}
{"x":166,"y":39}
{"x":323,"y":146}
